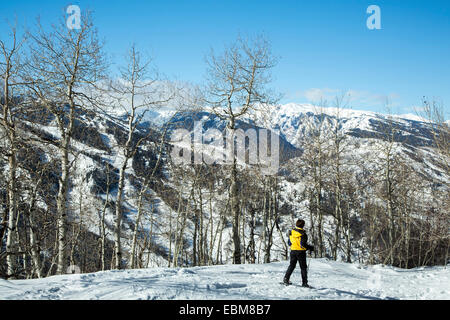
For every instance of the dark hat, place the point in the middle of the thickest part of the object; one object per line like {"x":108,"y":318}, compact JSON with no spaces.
{"x":300,"y":223}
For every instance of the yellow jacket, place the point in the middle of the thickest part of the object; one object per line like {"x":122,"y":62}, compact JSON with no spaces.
{"x":298,"y":239}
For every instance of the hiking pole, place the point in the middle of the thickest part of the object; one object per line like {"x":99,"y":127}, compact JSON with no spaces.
{"x":309,"y":261}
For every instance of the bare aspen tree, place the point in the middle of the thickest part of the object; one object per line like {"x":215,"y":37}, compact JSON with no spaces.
{"x":337,"y":172}
{"x":148,"y":179}
{"x":216,"y":234}
{"x":314,"y":160}
{"x":389,"y":158}
{"x":411,"y":189}
{"x":10,"y":69}
{"x":251,"y":249}
{"x":63,"y":67}
{"x":3,"y":203}
{"x":180,"y":221}
{"x":254,"y":197}
{"x":434,"y":113}
{"x":30,"y":217}
{"x":237,"y":84}
{"x":102,"y":217}
{"x":136,"y":93}
{"x":339,"y":175}
{"x":212,"y":185}
{"x":270,"y":214}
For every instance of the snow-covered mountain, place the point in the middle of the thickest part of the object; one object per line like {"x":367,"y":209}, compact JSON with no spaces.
{"x":295,"y":123}
{"x":412,"y":135}
{"x":295,"y":120}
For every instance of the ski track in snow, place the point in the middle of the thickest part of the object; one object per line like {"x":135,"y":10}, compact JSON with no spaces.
{"x":331,"y":280}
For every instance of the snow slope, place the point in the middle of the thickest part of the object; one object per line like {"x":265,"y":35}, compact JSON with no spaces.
{"x":332,"y":280}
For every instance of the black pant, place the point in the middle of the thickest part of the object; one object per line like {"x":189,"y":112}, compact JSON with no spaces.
{"x":300,"y":256}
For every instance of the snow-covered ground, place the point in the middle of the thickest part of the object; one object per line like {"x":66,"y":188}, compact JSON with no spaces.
{"x":332,"y":280}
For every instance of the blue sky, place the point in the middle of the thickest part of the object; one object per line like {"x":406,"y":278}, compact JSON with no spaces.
{"x":324,"y":46}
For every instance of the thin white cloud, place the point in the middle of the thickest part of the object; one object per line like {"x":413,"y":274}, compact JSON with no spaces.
{"x":317,"y":94}
{"x":357,"y":98}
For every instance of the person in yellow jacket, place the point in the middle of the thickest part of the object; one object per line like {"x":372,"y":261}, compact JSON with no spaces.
{"x":298,"y":240}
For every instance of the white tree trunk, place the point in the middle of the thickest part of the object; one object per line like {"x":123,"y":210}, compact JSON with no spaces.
{"x":10,"y":239}
{"x":61,"y":206}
